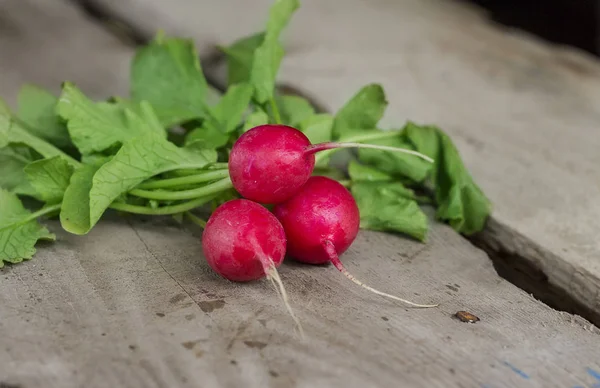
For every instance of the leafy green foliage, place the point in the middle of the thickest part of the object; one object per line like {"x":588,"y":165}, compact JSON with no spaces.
{"x":362,"y":112}
{"x":459,"y":199}
{"x":19,"y":232}
{"x":95,"y":127}
{"x":317,"y":127}
{"x":254,"y":119}
{"x":295,"y":109}
{"x":167,"y":74}
{"x":49,"y":178}
{"x":37,"y":110}
{"x":240,"y":56}
{"x":163,"y":149}
{"x":139,"y":159}
{"x":230,"y":109}
{"x":13,"y":159}
{"x":75,"y":212}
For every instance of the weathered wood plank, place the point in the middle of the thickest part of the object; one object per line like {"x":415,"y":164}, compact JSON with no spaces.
{"x":523,"y":114}
{"x":47,"y":42}
{"x":134,"y":304}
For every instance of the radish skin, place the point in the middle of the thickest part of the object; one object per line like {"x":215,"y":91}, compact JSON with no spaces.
{"x":270,"y":163}
{"x":321,"y":221}
{"x":243,"y":241}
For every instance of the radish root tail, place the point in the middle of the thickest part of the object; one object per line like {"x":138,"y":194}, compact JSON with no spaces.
{"x":333,"y":256}
{"x":275,"y":279}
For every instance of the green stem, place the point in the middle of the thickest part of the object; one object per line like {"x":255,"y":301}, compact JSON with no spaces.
{"x":42,"y":212}
{"x":164,"y":195}
{"x":184,"y":180}
{"x":210,"y":167}
{"x":196,"y":220}
{"x":162,"y":211}
{"x":275,"y":110}
{"x":360,"y":138}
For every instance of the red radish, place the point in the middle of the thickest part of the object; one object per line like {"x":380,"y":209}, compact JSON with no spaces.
{"x":321,"y":221}
{"x":269,"y":163}
{"x":243,"y":241}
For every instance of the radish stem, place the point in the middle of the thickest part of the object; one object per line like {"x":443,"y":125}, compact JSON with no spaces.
{"x":184,"y":180}
{"x":275,"y":110}
{"x":333,"y":145}
{"x":164,"y":195}
{"x":333,"y":256}
{"x":162,"y":211}
{"x":196,"y":220}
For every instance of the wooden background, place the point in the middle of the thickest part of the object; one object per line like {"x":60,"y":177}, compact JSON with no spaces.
{"x":133,"y":304}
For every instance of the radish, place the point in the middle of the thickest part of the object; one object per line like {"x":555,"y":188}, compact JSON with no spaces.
{"x":321,"y":221}
{"x":270,"y":163}
{"x":243,"y":241}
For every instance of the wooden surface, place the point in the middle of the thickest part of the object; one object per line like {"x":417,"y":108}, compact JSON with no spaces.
{"x":133,"y":304}
{"x":524,"y":114}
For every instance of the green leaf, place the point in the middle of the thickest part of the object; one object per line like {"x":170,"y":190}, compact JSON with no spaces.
{"x":75,"y":212}
{"x":167,"y":73}
{"x":361,"y":172}
{"x":95,"y":127}
{"x":254,"y":119}
{"x":50,"y":178}
{"x":280,"y":14}
{"x":388,"y":206}
{"x":207,"y":137}
{"x":294,"y":110}
{"x":317,"y":127}
{"x":138,"y":160}
{"x":459,"y":199}
{"x":230,"y":109}
{"x":13,"y":159}
{"x":37,"y":109}
{"x":396,"y":164}
{"x":265,"y":66}
{"x":362,"y":112}
{"x":5,"y":123}
{"x":240,"y":56}
{"x":267,"y":57}
{"x":197,"y":147}
{"x":19,"y":230}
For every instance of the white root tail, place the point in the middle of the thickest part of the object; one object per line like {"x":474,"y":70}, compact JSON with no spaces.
{"x":338,"y":264}
{"x":275,"y":279}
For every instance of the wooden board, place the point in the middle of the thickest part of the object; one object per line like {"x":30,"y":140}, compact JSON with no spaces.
{"x":133,"y":304}
{"x":524,"y":114}
{"x":48,"y":42}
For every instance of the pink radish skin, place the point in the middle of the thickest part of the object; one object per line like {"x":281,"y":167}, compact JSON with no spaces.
{"x":321,"y":221}
{"x":269,"y":163}
{"x":243,"y":241}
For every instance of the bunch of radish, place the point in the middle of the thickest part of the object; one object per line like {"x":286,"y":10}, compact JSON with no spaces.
{"x":314,"y":219}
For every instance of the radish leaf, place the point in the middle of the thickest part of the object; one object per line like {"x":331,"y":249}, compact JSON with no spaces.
{"x":50,"y":178}
{"x":294,"y":109}
{"x":19,"y":232}
{"x":389,"y":206}
{"x":37,"y":110}
{"x":362,"y":112}
{"x":460,"y":201}
{"x":167,"y":73}
{"x":95,"y":127}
